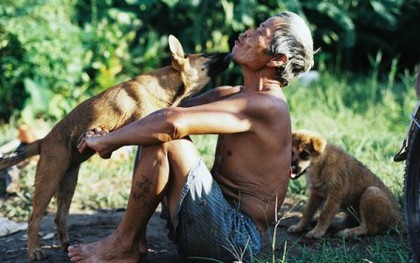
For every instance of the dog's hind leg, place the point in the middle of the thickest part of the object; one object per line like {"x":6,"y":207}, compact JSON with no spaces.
{"x":50,"y":170}
{"x":375,"y":213}
{"x":64,"y":196}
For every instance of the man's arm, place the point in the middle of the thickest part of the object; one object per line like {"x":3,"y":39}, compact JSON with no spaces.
{"x":224,"y":116}
{"x":212,"y":95}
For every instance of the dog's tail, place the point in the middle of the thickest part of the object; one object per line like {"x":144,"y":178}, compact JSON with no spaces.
{"x":22,"y":153}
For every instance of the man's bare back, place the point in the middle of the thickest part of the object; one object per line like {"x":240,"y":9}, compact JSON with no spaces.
{"x":252,"y":168}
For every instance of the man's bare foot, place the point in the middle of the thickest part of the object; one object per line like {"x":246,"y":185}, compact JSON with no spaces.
{"x":110,"y":249}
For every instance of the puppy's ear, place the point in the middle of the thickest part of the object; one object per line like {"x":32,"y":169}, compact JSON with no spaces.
{"x":318,"y":143}
{"x":178,"y":55}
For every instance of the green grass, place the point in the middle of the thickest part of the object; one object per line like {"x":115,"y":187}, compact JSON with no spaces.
{"x":367,"y":249}
{"x":383,"y":249}
{"x":371,"y":128}
{"x":368,"y":118}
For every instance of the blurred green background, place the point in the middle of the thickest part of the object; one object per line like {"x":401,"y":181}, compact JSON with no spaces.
{"x":56,"y":53}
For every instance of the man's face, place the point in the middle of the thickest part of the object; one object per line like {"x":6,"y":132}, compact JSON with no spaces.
{"x":251,"y":47}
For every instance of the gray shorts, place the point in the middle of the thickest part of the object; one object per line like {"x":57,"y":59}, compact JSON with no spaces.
{"x":206,"y":226}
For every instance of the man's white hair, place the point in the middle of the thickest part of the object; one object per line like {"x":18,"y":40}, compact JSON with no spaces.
{"x":294,"y":40}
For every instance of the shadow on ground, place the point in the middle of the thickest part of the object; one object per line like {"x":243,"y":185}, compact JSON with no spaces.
{"x":86,"y":228}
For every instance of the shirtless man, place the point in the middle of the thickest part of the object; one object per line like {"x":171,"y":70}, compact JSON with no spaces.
{"x":213,"y":214}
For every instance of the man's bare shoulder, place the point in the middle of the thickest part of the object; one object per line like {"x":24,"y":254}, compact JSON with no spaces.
{"x":215,"y":94}
{"x":228,"y":90}
{"x":266,"y":102}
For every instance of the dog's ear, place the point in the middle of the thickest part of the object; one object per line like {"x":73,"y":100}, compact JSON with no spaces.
{"x":178,"y":55}
{"x":315,"y":142}
{"x":318,"y":143}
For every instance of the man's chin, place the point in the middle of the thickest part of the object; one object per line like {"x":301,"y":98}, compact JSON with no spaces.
{"x":233,"y":54}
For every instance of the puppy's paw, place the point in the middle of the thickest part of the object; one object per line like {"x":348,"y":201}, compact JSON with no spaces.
{"x":314,"y":234}
{"x":295,"y":229}
{"x":355,"y":231}
{"x":345,"y":233}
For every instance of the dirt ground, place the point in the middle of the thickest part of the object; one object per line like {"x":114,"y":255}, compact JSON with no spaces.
{"x":85,"y":228}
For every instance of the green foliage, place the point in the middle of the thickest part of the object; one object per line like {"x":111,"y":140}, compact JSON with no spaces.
{"x":56,"y":53}
{"x":349,"y":31}
{"x":40,"y":55}
{"x":106,"y":55}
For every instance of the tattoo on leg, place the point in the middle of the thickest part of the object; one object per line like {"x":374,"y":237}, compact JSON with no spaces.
{"x":145,"y":188}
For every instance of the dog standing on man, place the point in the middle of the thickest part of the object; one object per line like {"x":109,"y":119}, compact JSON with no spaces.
{"x":339,"y":180}
{"x":60,"y":160}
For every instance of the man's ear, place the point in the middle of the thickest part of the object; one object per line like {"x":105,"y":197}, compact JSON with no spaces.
{"x":278,"y":60}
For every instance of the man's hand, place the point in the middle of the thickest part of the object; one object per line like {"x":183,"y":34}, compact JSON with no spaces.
{"x":93,"y":140}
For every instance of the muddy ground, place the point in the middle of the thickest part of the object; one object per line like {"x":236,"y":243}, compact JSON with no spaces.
{"x":90,"y":227}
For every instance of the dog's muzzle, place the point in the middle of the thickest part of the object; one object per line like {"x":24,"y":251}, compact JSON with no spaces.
{"x":218,"y":63}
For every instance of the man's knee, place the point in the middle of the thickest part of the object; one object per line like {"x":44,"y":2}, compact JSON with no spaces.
{"x":181,"y":149}
{"x":181,"y":156}
{"x":173,"y":151}
{"x":180,"y":145}
{"x":154,"y":151}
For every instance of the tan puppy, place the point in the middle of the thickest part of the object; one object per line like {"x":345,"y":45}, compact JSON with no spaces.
{"x":339,"y":181}
{"x":59,"y":162}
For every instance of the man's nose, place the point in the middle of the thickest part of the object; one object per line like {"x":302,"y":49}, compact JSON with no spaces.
{"x":248,"y":32}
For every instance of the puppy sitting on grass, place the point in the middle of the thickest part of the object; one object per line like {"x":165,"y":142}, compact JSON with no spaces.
{"x":339,"y":181}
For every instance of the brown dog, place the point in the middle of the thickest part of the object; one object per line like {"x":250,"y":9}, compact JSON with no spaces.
{"x":59,"y":162}
{"x":340,"y":181}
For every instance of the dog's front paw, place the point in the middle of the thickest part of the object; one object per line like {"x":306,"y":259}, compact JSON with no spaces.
{"x":345,"y":233}
{"x":295,"y":229}
{"x":314,"y":234}
{"x":36,"y":255}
